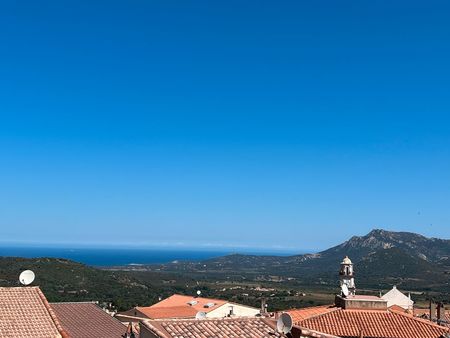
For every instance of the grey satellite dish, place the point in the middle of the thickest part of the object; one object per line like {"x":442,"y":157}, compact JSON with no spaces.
{"x":200,"y":315}
{"x":344,"y":290}
{"x":284,"y":323}
{"x":26,"y":277}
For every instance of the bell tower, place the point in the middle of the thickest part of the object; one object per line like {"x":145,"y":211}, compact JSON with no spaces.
{"x":346,"y":275}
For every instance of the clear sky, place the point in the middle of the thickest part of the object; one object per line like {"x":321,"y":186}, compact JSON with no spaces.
{"x":291,"y":124}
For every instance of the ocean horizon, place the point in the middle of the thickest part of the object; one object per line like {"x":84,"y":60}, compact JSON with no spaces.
{"x":128,"y":256}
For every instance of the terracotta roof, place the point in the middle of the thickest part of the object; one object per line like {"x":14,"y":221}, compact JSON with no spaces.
{"x":299,"y":315}
{"x":238,"y":327}
{"x":397,"y":308}
{"x":179,"y":306}
{"x":25,"y":313}
{"x":373,"y":324}
{"x":168,"y":312}
{"x":445,"y":320}
{"x":82,"y":320}
{"x":181,"y":300}
{"x":213,"y":328}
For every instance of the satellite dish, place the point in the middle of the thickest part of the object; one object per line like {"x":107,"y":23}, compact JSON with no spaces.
{"x":284,"y":323}
{"x":200,"y":315}
{"x":344,"y":290}
{"x":199,"y":292}
{"x":26,"y":277}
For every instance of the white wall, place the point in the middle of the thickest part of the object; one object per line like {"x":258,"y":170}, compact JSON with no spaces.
{"x":238,"y":311}
{"x":396,"y":297}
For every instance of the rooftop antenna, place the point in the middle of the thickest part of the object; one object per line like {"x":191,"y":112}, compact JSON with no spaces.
{"x":284,"y":323}
{"x":200,"y":315}
{"x":26,"y":277}
{"x":344,"y":290}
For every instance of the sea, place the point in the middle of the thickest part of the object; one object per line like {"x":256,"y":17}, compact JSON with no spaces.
{"x":125,"y":256}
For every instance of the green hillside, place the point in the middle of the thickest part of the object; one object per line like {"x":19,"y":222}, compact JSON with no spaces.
{"x":64,"y":280}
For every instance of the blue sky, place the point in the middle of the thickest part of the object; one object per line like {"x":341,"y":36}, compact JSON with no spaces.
{"x":292,"y":124}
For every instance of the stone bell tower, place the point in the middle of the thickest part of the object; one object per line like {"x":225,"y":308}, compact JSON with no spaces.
{"x":346,"y":275}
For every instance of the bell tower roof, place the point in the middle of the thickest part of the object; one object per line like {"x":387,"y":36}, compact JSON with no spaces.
{"x":346,"y":261}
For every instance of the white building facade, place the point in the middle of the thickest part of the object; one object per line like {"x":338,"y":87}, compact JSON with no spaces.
{"x":396,"y":297}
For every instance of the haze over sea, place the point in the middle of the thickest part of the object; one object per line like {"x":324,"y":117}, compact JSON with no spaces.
{"x":126,"y":256}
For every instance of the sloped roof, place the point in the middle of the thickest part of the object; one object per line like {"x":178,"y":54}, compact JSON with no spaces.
{"x":25,"y":313}
{"x":168,"y":312}
{"x":181,"y":300}
{"x":214,"y":328}
{"x":238,"y":327}
{"x":87,"y":319}
{"x":373,"y":324}
{"x":178,"y":306}
{"x":396,"y":308}
{"x":299,"y":315}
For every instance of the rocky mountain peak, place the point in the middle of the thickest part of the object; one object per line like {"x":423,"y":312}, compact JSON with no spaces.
{"x":378,"y":239}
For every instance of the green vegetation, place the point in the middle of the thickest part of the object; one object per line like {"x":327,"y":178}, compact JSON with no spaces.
{"x":382,"y":259}
{"x":63,"y":280}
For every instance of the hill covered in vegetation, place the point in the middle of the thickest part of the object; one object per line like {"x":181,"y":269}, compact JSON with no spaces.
{"x":64,"y":280}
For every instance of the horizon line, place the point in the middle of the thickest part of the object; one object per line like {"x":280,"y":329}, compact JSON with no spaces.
{"x":234,"y":248}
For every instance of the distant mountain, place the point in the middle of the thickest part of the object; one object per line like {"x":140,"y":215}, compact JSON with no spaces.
{"x":429,"y":249}
{"x":379,"y":257}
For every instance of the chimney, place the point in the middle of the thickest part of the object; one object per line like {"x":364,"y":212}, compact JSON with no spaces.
{"x":432,"y":315}
{"x":439,"y":307}
{"x":129,"y":333}
{"x":263,"y":306}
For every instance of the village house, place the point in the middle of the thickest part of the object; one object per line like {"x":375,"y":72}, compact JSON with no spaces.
{"x":184,"y":307}
{"x":396,"y":298}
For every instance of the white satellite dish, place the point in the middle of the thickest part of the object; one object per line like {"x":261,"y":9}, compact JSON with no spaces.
{"x":284,"y":323}
{"x":344,"y":290}
{"x":199,"y":292}
{"x":200,"y":315}
{"x":26,"y":277}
